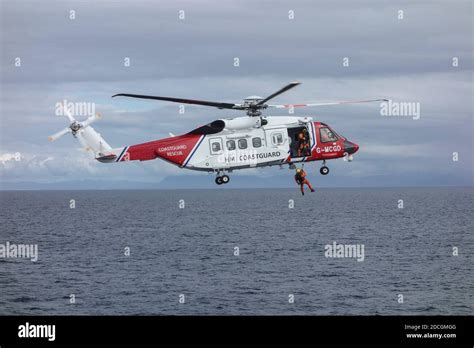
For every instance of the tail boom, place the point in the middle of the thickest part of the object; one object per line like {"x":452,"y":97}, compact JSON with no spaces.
{"x":176,"y":150}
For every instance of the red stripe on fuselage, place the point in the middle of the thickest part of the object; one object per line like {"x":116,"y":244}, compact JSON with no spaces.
{"x":174,"y":150}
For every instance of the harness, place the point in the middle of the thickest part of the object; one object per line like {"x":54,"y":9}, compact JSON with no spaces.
{"x":299,"y":177}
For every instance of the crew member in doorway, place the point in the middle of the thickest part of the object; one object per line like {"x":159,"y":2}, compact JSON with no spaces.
{"x":300,"y":178}
{"x":303,"y":143}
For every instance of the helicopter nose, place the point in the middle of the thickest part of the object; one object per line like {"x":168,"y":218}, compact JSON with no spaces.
{"x":350,"y":148}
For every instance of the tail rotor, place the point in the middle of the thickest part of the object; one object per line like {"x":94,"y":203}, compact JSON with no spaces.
{"x":84,"y":133}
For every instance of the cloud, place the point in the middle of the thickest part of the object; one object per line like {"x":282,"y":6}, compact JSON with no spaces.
{"x":82,"y":60}
{"x":7,"y":157}
{"x":418,"y":151}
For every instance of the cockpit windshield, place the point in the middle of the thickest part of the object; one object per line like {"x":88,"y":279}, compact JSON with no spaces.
{"x":327,"y":135}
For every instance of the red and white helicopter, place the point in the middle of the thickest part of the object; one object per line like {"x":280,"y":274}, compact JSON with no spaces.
{"x":225,"y":145}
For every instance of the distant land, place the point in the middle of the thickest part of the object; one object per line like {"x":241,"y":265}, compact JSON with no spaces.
{"x":206,"y":181}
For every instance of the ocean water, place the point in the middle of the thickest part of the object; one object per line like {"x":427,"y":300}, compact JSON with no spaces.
{"x":190,"y":251}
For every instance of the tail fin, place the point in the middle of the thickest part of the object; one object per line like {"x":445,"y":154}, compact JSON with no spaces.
{"x":92,"y":140}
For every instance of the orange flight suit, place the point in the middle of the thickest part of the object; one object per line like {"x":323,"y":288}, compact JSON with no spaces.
{"x":303,"y":144}
{"x":301,"y":180}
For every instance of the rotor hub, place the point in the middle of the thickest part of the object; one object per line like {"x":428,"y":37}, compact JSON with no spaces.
{"x":252,"y":106}
{"x":75,"y":126}
{"x":253,"y":99}
{"x":254,"y":112}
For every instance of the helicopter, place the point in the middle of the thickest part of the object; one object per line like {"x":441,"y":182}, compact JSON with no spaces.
{"x":229,"y":144}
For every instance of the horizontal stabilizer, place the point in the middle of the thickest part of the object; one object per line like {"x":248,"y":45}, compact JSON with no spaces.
{"x":107,"y":158}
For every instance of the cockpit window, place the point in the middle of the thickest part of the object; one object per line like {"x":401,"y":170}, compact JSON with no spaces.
{"x":327,"y":135}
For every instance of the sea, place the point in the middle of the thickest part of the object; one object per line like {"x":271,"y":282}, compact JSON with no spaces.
{"x":239,"y":252}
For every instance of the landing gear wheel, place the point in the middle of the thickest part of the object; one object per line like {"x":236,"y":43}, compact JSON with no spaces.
{"x":225,"y":179}
{"x":219,"y":180}
{"x":324,"y":170}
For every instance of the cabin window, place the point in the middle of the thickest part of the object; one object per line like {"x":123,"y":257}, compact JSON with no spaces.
{"x":216,"y":146}
{"x":257,"y":142}
{"x":242,"y":144}
{"x":327,"y":135}
{"x":230,"y":145}
{"x":277,"y":138}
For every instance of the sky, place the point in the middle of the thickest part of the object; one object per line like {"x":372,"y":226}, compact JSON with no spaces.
{"x":408,"y":51}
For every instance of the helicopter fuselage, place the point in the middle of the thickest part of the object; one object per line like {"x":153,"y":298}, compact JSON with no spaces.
{"x":243,"y":142}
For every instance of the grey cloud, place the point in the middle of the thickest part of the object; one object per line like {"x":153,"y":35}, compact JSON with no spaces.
{"x":82,"y":60}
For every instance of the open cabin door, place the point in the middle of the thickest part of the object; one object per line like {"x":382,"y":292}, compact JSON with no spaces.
{"x":301,"y":142}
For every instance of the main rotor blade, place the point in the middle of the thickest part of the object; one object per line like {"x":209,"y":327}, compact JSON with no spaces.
{"x":286,"y":106}
{"x":284,"y":89}
{"x":183,"y":101}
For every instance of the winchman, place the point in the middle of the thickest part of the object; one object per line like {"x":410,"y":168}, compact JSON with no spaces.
{"x":300,"y":178}
{"x":303,"y":143}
